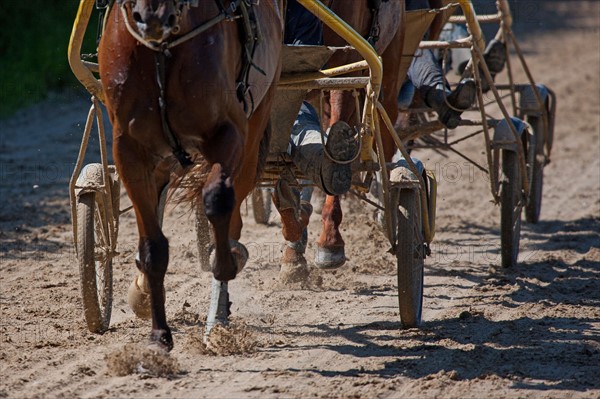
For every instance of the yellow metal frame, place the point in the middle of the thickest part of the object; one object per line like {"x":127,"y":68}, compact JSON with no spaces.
{"x":84,"y":73}
{"x":472,"y":23}
{"x":347,"y":33}
{"x":80,"y":69}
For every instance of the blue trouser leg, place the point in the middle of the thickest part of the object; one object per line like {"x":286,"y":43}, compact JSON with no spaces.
{"x":306,"y":147}
{"x":424,"y":71}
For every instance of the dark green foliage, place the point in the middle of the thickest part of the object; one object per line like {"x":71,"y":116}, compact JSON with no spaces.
{"x":34,"y":38}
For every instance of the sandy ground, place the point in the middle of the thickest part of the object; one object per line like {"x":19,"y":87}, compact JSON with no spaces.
{"x":529,"y":332}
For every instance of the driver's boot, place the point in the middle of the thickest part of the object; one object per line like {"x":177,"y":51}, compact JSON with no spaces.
{"x":449,"y":105}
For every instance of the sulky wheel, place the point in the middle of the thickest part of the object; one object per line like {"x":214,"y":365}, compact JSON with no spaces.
{"x":95,"y":262}
{"x":261,"y":205}
{"x":510,"y":209}
{"x":536,"y":160}
{"x":410,"y":257}
{"x":538,"y":107}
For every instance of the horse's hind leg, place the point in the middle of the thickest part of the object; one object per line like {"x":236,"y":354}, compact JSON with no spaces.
{"x":219,"y":195}
{"x":135,"y":170}
{"x":223,"y":207}
{"x":330,"y":245}
{"x":295,"y":216}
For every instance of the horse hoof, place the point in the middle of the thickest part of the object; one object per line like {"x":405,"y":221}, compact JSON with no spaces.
{"x":291,"y":273}
{"x":162,"y":339}
{"x":330,"y":258}
{"x":293,"y":267}
{"x":291,"y":256}
{"x":138,"y":297}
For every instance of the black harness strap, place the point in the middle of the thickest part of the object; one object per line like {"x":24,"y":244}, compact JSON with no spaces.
{"x":250,"y":36}
{"x":182,"y":156}
{"x":373,"y":37}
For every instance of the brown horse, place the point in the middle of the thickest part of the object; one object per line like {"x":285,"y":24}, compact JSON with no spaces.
{"x":384,"y":33}
{"x":180,"y":92}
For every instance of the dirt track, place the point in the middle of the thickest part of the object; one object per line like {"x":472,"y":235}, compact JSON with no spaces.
{"x":529,"y":332}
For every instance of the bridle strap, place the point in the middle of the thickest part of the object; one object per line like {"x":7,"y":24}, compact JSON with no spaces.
{"x":225,"y":14}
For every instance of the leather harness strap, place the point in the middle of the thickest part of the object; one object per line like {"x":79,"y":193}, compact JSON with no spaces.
{"x":375,"y":5}
{"x":182,"y":156}
{"x":250,"y":36}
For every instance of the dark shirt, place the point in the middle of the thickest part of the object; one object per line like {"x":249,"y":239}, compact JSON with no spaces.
{"x":411,"y":5}
{"x":301,"y":26}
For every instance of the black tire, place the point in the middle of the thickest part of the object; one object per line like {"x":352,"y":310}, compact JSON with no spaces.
{"x":410,"y":258}
{"x":203,"y":238}
{"x":510,"y":209}
{"x":261,"y":205}
{"x":95,"y":265}
{"x":536,"y":161}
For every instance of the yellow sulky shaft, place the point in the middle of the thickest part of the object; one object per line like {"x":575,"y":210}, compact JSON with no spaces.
{"x":85,"y":76}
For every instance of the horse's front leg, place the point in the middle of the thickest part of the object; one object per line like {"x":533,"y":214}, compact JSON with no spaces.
{"x":219,"y":198}
{"x":136,"y":171}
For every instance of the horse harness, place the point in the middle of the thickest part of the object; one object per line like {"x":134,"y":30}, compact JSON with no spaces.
{"x":241,"y":11}
{"x":374,"y":6}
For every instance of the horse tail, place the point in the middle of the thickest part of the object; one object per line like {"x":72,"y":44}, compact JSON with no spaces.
{"x":186,"y":187}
